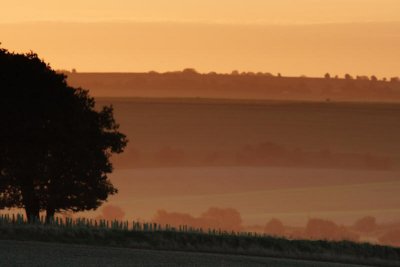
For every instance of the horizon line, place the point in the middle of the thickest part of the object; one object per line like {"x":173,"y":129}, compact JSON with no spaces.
{"x":240,"y":73}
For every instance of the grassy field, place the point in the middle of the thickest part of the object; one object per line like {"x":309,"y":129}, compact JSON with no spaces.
{"x":38,"y":254}
{"x":241,"y":246}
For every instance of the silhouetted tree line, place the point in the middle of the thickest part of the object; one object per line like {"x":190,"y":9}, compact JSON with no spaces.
{"x":192,"y":71}
{"x":259,"y":85}
{"x":55,"y":147}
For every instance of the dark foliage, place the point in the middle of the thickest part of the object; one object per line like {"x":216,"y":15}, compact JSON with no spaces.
{"x":54,"y":146}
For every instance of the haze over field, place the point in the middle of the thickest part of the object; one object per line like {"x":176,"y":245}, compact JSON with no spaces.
{"x":318,"y":160}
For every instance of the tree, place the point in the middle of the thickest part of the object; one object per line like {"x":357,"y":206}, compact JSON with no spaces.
{"x":327,"y":76}
{"x":362,"y":78}
{"x":190,"y":71}
{"x":55,"y":147}
{"x":275,"y":228}
{"x":348,"y":76}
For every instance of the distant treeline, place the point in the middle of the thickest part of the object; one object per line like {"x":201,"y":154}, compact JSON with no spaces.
{"x":248,"y":85}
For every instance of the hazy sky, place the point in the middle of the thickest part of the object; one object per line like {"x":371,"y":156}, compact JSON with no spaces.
{"x":355,"y":36}
{"x":238,"y":11}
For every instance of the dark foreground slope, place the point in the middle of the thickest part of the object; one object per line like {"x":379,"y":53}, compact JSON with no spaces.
{"x":32,"y":254}
{"x":184,"y":240}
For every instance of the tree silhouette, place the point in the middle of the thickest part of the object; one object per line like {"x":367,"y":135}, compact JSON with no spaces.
{"x":275,"y":228}
{"x":348,"y":76}
{"x":55,"y":147}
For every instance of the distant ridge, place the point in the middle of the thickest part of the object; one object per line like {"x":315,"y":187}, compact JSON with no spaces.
{"x":261,"y":86}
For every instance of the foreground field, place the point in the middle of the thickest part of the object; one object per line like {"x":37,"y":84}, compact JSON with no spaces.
{"x":150,"y":236}
{"x":21,"y":253}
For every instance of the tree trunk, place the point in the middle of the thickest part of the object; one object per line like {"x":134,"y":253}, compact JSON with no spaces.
{"x":31,"y":202}
{"x":32,"y":212}
{"x":50,"y":214}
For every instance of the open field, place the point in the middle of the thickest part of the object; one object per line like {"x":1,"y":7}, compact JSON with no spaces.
{"x":184,"y":156}
{"x":35,"y":254}
{"x":153,"y":236}
{"x":216,"y":132}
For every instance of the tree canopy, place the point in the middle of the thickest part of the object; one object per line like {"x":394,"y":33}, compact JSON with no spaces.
{"x":55,"y":145}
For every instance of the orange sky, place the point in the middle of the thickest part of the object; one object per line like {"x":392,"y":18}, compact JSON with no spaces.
{"x":293,"y":37}
{"x":239,"y":11}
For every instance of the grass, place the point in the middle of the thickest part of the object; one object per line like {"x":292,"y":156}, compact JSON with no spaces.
{"x":166,"y":238}
{"x":32,"y":254}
